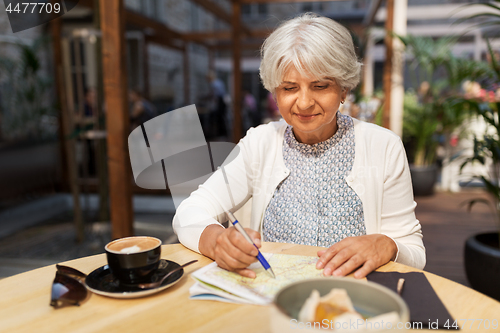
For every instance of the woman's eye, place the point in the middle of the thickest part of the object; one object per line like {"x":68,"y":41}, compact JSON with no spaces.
{"x":322,"y":86}
{"x":289,"y":89}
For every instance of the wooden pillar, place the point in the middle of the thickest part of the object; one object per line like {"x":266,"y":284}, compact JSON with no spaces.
{"x":398,"y":64}
{"x":101,"y":157}
{"x":211,"y":59}
{"x":368,"y":65}
{"x":389,"y":21}
{"x":68,"y":145}
{"x":145,"y":61}
{"x":55,"y":26}
{"x":236,"y":37}
{"x":117,"y":116}
{"x":187,"y":89}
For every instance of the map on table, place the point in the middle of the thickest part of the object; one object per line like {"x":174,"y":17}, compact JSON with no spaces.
{"x":215,"y":283}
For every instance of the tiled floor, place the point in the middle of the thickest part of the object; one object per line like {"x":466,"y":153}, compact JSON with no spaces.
{"x":446,"y":224}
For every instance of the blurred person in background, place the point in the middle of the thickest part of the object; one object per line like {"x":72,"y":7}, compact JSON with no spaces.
{"x":141,"y":110}
{"x":218,"y":105}
{"x":90,"y":102}
{"x":250,"y":112}
{"x":272,"y":108}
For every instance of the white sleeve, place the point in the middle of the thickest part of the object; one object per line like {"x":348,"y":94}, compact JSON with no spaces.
{"x":207,"y":204}
{"x":398,"y":219}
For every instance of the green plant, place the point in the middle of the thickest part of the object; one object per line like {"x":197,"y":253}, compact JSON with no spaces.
{"x":486,"y":149}
{"x":491,"y":18}
{"x":419,"y":128}
{"x":430,"y":114}
{"x":27,"y":110}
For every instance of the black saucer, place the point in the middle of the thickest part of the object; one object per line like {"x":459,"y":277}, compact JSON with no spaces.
{"x":102,"y":282}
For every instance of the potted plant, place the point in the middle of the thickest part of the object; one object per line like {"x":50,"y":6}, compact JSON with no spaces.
{"x":429,"y":116}
{"x":482,"y":251}
{"x":419,"y":131}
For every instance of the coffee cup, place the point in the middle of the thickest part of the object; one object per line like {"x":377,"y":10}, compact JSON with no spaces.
{"x":133,"y":259}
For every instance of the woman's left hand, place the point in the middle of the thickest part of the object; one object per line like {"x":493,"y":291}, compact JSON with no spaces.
{"x":366,"y":252}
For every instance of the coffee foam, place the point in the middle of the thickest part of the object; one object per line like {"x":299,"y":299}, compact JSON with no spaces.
{"x":133,"y":244}
{"x":132,"y":249}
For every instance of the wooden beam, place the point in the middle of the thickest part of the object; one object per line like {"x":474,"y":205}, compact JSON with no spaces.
{"x":236,"y":30}
{"x":165,"y":41}
{"x":219,"y":12}
{"x":58,"y":62}
{"x":117,"y":116}
{"x":222,"y":35}
{"x":154,"y":27}
{"x":100,"y":151}
{"x":203,"y":36}
{"x":186,"y":75}
{"x":145,"y":74}
{"x":372,"y":12}
{"x":143,"y":22}
{"x":398,"y":61}
{"x":243,"y":46}
{"x":244,"y":2}
{"x":387,"y":76}
{"x":70,"y":167}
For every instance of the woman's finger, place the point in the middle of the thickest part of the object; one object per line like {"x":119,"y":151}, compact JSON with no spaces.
{"x":328,"y":254}
{"x":349,"y":266}
{"x":255,"y":236}
{"x":246,"y":273}
{"x":233,"y":255}
{"x":238,"y":241}
{"x":366,"y":269}
{"x":321,"y":252}
{"x":339,"y":259}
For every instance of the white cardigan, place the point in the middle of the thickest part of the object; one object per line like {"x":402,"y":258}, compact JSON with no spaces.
{"x":380,"y":176}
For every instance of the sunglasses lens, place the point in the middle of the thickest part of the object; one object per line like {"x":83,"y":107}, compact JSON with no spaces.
{"x":69,"y":271}
{"x":67,"y":291}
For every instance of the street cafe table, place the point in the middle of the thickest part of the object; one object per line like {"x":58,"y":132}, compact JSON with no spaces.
{"x":24,"y":302}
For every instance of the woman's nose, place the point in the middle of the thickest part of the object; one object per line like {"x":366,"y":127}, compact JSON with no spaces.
{"x":305,"y":100}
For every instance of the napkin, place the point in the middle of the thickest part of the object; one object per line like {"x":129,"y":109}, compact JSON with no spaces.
{"x":425,"y":305}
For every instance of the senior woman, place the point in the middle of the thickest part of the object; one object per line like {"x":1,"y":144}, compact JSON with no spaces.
{"x":318,"y":177}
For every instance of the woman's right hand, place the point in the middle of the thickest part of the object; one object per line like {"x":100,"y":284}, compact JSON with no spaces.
{"x":229,"y":248}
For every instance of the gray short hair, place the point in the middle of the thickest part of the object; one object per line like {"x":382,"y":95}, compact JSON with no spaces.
{"x":311,"y":43}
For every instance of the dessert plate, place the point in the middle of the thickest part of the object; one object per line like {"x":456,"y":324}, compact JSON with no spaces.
{"x":102,"y":282}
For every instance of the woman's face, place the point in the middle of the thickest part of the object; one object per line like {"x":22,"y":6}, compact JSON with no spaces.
{"x":309,"y":105}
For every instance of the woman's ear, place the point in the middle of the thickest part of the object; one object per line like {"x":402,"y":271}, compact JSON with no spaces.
{"x":345,"y":91}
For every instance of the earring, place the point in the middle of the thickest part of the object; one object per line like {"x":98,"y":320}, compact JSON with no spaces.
{"x":342,"y":102}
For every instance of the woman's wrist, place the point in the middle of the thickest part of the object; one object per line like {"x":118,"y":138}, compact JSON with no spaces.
{"x":208,"y":240}
{"x":395,"y":248}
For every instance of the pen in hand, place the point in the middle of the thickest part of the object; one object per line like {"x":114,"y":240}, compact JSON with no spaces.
{"x":242,"y":231}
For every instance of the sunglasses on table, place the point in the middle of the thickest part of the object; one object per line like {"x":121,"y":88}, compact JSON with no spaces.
{"x":68,"y":287}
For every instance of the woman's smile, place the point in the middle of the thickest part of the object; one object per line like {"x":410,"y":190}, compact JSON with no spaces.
{"x":305,"y":117}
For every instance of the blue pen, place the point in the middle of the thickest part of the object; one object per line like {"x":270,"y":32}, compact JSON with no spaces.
{"x":242,"y":231}
{"x":261,"y":258}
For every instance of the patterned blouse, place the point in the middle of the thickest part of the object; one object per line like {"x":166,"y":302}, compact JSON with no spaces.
{"x":314,"y":205}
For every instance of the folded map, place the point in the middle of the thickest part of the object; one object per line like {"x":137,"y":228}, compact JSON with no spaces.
{"x":215,"y":283}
